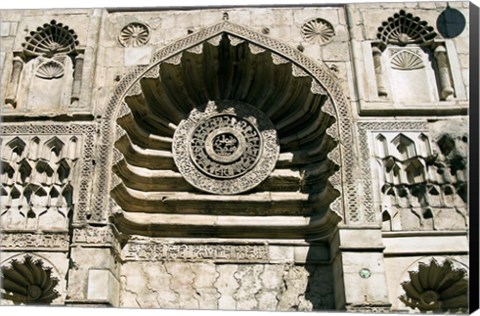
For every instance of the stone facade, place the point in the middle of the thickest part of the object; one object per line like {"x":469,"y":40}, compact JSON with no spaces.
{"x":276,"y":158}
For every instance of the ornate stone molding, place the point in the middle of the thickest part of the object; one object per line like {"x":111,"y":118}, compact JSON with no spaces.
{"x":94,"y":236}
{"x":33,"y":241}
{"x":158,"y":251}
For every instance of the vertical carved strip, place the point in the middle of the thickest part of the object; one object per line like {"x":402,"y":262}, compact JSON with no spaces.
{"x":446,"y":89}
{"x":377,"y":61}
{"x":14,"y":82}
{"x":77,"y":79}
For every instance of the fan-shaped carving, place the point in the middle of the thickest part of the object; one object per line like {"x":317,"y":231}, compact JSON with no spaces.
{"x":318,"y":30}
{"x":152,"y":181}
{"x":134,"y":35}
{"x":50,"y":70}
{"x":404,"y":28}
{"x":406,"y":60}
{"x":50,"y":39}
{"x":28,"y":282}
{"x":437,"y":288}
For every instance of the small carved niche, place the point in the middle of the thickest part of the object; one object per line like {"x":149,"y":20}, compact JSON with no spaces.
{"x":409,"y":65}
{"x":420,"y":186}
{"x":46,"y":76}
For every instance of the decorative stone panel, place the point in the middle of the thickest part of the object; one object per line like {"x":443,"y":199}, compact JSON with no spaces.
{"x":46,"y":172}
{"x":47,"y":75}
{"x":408,"y":51}
{"x":417,"y":191}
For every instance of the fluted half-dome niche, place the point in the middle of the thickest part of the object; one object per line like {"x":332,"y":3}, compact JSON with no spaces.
{"x":242,"y":82}
{"x":28,"y":282}
{"x":438,"y":288}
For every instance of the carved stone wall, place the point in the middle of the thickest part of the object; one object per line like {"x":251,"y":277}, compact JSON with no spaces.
{"x":208,"y":285}
{"x":38,"y":178}
{"x":297,"y":158}
{"x":420,"y":187}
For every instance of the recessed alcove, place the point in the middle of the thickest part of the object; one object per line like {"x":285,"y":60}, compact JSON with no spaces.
{"x":242,"y":80}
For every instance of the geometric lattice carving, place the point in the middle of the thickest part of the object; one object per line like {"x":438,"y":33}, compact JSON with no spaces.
{"x":436,"y":288}
{"x":318,"y":30}
{"x":50,"y":39}
{"x":28,"y":282}
{"x":134,"y":35}
{"x":403,"y":28}
{"x":418,"y":189}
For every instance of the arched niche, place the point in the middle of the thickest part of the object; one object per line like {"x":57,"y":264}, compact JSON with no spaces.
{"x":134,"y":127}
{"x":31,"y":279}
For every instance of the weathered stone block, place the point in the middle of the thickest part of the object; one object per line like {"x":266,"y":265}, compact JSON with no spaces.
{"x":102,"y":286}
{"x":137,"y":55}
{"x":4,"y":29}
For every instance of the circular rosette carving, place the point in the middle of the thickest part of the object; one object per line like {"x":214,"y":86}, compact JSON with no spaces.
{"x":134,"y":35}
{"x":28,"y":282}
{"x":437,"y":288}
{"x":228,"y":148}
{"x":318,"y":30}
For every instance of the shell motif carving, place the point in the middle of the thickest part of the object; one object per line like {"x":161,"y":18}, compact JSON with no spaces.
{"x":50,"y":70}
{"x":406,"y":60}
{"x":50,"y":39}
{"x":318,"y":31}
{"x":28,"y":282}
{"x":437,"y":288}
{"x":134,"y":35}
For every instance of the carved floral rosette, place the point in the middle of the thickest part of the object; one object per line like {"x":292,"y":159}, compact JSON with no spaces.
{"x":228,"y":148}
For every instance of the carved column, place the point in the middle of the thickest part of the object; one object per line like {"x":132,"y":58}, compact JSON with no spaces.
{"x":377,"y":61}
{"x":77,"y":79}
{"x":14,"y":82}
{"x":446,"y":89}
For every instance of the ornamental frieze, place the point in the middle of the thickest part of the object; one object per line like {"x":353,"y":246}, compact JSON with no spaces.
{"x":157,"y":251}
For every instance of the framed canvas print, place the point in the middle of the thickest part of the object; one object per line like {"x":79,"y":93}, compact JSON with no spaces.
{"x":241,"y":157}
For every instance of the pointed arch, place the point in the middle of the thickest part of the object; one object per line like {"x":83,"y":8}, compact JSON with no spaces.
{"x":321,"y":81}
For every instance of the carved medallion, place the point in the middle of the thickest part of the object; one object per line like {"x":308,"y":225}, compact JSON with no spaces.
{"x":134,"y":35}
{"x":228,"y":148}
{"x":318,"y":30}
